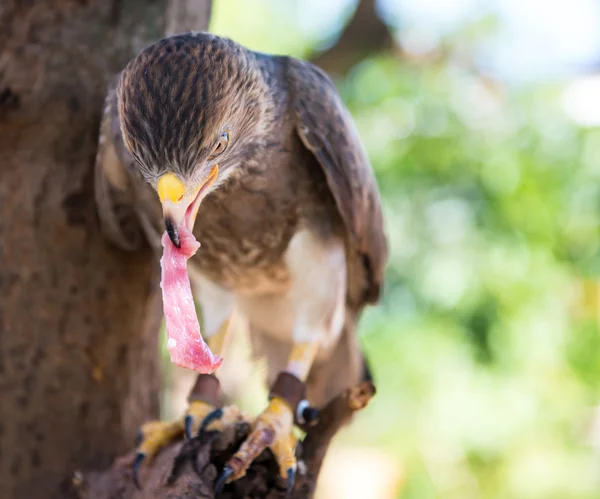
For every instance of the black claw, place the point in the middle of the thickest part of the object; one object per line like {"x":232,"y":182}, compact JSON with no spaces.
{"x":220,"y":483}
{"x":139,"y":436}
{"x":311,"y":415}
{"x":291,"y":480}
{"x":139,"y":458}
{"x":188,"y":426}
{"x":212,"y":416}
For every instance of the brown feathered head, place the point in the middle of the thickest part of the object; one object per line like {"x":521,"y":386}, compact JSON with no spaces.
{"x":191,"y":108}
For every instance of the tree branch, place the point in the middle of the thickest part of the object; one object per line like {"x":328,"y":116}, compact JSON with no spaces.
{"x":172,"y":474}
{"x":364,"y":35}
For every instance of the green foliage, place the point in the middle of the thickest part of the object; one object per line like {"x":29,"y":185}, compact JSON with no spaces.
{"x":486,"y":370}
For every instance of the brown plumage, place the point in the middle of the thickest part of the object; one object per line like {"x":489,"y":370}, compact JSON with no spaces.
{"x":176,"y":96}
{"x":295,"y":185}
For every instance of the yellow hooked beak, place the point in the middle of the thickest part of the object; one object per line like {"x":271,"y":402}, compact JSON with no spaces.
{"x":180,"y":204}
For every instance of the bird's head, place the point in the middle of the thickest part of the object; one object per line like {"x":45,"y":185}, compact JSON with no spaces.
{"x":192,"y":108}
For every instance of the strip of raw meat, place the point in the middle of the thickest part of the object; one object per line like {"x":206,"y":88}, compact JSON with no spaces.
{"x":185,"y":343}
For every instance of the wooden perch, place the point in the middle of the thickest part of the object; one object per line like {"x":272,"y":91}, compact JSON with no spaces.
{"x":189,"y":469}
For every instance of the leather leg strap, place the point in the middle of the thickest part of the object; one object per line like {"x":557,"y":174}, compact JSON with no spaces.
{"x":289,"y":388}
{"x":207,"y":389}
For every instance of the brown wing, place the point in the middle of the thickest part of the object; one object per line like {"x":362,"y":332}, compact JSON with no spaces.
{"x":121,"y":201}
{"x":327,"y":130}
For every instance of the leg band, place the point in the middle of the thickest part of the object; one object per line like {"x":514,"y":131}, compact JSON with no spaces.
{"x":289,"y":388}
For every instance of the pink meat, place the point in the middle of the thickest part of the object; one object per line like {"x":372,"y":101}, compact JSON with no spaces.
{"x":185,"y":343}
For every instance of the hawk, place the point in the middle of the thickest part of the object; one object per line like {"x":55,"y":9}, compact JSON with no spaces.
{"x":257,"y":157}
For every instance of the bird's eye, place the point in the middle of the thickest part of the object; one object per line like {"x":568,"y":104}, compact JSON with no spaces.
{"x":221,"y":145}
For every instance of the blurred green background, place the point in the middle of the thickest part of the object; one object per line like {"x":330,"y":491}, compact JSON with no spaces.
{"x":481,"y":121}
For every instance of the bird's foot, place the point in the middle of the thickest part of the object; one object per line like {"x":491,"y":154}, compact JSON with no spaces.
{"x":216,"y":420}
{"x":273,"y":429}
{"x":204,"y":413}
{"x":200,"y":417}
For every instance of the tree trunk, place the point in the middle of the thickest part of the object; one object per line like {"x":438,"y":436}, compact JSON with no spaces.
{"x":78,"y":318}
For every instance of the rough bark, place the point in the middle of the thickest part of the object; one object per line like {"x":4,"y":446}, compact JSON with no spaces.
{"x":189,"y":470}
{"x":364,"y":35}
{"x":78,"y":318}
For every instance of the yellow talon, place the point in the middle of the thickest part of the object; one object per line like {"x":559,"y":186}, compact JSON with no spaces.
{"x":272,"y":429}
{"x":284,"y":452}
{"x":278,"y":414}
{"x":228,"y":416}
{"x":197,"y":410}
{"x":280,"y":417}
{"x":157,"y":434}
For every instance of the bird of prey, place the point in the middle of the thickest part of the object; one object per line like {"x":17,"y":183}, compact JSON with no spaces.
{"x":259,"y":157}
